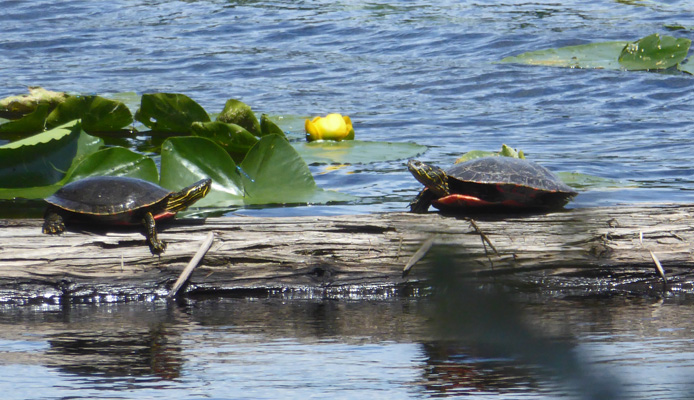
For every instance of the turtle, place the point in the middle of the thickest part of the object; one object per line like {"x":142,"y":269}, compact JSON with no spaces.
{"x":500,"y":183}
{"x":118,"y":200}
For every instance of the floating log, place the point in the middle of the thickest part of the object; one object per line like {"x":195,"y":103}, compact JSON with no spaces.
{"x":351,"y":251}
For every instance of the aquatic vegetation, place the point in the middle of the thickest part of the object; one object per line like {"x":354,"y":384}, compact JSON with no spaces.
{"x":331,"y":127}
{"x":653,"y":52}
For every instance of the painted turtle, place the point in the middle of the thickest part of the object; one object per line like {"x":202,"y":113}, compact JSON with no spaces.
{"x":502,"y":183}
{"x":119,"y":200}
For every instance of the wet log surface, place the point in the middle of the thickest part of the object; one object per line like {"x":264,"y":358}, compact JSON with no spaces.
{"x":349,"y":253}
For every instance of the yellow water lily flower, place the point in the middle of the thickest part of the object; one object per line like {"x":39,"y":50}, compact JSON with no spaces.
{"x":331,"y":127}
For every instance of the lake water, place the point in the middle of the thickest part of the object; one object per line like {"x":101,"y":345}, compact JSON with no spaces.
{"x":404,"y":71}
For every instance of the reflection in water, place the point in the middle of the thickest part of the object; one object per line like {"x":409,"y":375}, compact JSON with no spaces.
{"x":155,"y":351}
{"x":453,"y":369}
{"x":534,"y":346}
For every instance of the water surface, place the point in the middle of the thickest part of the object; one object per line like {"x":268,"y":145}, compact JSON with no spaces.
{"x":415,"y":71}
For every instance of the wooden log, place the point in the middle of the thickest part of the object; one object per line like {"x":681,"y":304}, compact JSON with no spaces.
{"x":322,"y":252}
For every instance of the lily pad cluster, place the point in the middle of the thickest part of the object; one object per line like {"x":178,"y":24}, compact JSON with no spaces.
{"x":249,"y":161}
{"x":653,"y":52}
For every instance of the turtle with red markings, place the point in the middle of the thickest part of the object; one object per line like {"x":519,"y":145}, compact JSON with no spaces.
{"x":117,"y":200}
{"x":489,"y":183}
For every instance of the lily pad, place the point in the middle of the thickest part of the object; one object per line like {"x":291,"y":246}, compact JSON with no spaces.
{"x":687,"y":66}
{"x":603,"y":55}
{"x":506,"y":151}
{"x":240,"y":113}
{"x":274,"y":173}
{"x":97,"y":114}
{"x":271,"y":173}
{"x":231,"y":137}
{"x":169,"y":112}
{"x":29,"y":124}
{"x":185,"y":160}
{"x":585,"y":182}
{"x":44,"y":158}
{"x":356,"y":151}
{"x":654,"y":52}
{"x":14,"y":107}
{"x":115,"y":161}
{"x":268,"y":127}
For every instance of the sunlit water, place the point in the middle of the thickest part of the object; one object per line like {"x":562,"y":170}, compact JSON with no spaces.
{"x":412,"y":71}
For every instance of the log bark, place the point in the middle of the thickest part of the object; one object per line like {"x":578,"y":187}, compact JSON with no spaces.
{"x":351,"y":251}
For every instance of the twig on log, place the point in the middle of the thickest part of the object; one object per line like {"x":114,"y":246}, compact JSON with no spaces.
{"x":188,"y":270}
{"x":421,"y":252}
{"x":658,"y":266}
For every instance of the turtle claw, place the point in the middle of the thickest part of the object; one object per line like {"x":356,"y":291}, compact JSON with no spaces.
{"x":53,"y":224}
{"x":156,"y":247}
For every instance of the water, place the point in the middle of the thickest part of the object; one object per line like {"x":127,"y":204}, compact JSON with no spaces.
{"x":415,"y":71}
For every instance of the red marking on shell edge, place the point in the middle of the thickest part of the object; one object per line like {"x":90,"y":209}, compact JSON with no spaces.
{"x":462,"y":201}
{"x":157,"y":217}
{"x":164,"y":215}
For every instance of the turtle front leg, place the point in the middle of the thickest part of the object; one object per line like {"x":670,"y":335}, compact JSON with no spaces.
{"x":421,"y":203}
{"x":156,"y":246}
{"x":53,"y":223}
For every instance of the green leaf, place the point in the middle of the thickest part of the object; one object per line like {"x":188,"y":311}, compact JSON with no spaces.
{"x":185,"y":160}
{"x":169,"y":112}
{"x":505,"y":151}
{"x":687,"y":66}
{"x":602,"y":55}
{"x":356,"y":151}
{"x":654,"y":52}
{"x":231,"y":137}
{"x":39,"y":192}
{"x":14,"y":107}
{"x":583,"y":181}
{"x":268,"y":127}
{"x":29,"y":124}
{"x":274,"y":173}
{"x":41,"y":159}
{"x":114,"y":161}
{"x":97,"y":113}
{"x":239,"y":113}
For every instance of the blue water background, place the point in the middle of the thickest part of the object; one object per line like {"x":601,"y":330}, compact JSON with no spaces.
{"x":412,"y":71}
{"x":405,"y":71}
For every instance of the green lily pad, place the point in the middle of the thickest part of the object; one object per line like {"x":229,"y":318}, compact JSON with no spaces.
{"x":654,"y":52}
{"x":506,"y":151}
{"x":274,"y":173}
{"x":268,"y":127}
{"x":169,"y":112}
{"x":271,"y":173}
{"x":185,"y":160}
{"x":603,"y":55}
{"x":585,"y":182}
{"x":114,"y":161}
{"x":97,"y":114}
{"x":239,"y":113}
{"x":14,"y":107}
{"x":29,"y":124}
{"x":356,"y":151}
{"x":231,"y":137}
{"x":44,"y":158}
{"x":687,"y":66}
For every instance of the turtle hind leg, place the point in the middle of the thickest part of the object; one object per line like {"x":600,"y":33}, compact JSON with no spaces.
{"x":53,"y":223}
{"x":156,"y":246}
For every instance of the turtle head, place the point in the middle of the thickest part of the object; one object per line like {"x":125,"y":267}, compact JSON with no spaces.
{"x":430,"y":176}
{"x":181,"y":200}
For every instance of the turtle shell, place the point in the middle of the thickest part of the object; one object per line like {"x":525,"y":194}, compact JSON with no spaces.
{"x":111,"y":198}
{"x":504,"y":182}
